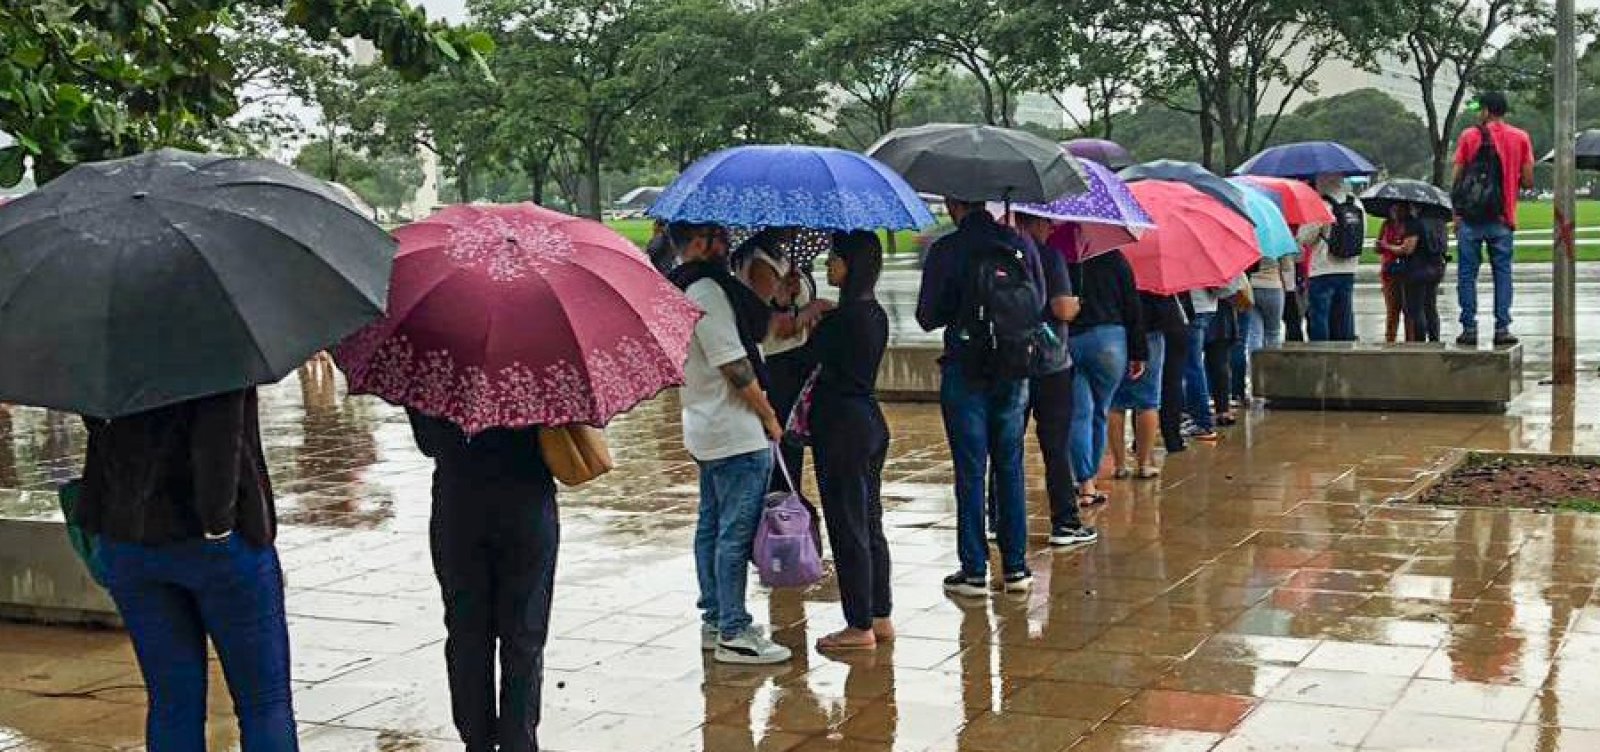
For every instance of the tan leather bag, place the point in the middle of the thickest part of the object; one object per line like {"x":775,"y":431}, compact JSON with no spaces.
{"x":576,"y":454}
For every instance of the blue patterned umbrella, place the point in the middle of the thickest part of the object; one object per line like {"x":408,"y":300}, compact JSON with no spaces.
{"x":1307,"y":159}
{"x":792,"y":186}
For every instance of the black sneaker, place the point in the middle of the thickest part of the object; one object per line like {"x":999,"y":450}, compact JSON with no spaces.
{"x":963,"y":585}
{"x":1505,"y":339}
{"x":1019,"y":582}
{"x":1468,"y":338}
{"x":1073,"y":535}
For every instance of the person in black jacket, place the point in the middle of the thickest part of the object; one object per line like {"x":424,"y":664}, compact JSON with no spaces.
{"x":1108,"y":344}
{"x":851,"y":440}
{"x":180,"y":504}
{"x":494,"y":534}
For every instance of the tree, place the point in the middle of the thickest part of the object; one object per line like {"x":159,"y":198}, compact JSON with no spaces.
{"x":278,"y":71}
{"x":1367,"y":120}
{"x":873,"y":74}
{"x":90,"y":81}
{"x":455,"y":117}
{"x":1247,"y":60}
{"x":599,"y":61}
{"x":1454,"y":36}
{"x":982,"y":37}
{"x":1104,"y":55}
{"x":384,"y":179}
{"x":1155,"y":130}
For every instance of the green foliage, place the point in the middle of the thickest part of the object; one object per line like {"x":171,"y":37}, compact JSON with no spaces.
{"x":85,"y":81}
{"x":1367,"y":120}
{"x":384,"y":179}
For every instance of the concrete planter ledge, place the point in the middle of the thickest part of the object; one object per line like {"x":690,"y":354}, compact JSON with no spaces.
{"x":41,"y":578}
{"x":1403,"y":377}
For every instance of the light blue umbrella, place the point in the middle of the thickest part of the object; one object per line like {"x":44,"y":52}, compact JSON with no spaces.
{"x":792,"y":186}
{"x":1272,"y":231}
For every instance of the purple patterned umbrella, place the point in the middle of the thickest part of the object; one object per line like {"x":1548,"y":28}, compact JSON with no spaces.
{"x":1108,"y":153}
{"x":1108,"y":216}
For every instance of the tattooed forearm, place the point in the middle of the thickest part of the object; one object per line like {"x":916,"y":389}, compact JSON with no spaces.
{"x":739,"y":373}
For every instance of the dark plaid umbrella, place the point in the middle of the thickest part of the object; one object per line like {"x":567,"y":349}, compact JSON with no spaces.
{"x":981,"y":163}
{"x":137,"y":283}
{"x":1207,"y":182}
{"x":1431,"y":199}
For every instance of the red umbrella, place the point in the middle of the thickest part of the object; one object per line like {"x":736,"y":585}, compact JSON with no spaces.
{"x":1197,"y":241}
{"x":516,"y":315}
{"x":1302,"y":205}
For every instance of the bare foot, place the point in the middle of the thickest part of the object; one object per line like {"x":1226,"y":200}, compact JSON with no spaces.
{"x":848,"y":639}
{"x":883,"y":629}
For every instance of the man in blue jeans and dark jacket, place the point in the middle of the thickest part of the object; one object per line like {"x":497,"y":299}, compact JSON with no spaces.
{"x":983,"y":418}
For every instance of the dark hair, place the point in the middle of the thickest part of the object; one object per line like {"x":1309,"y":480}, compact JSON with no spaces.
{"x":683,"y":233}
{"x":1494,"y":103}
{"x":863,"y":257}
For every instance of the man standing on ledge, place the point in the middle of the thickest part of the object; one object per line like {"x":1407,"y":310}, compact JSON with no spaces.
{"x":1486,"y":181}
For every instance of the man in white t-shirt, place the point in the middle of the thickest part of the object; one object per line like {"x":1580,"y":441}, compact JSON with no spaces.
{"x":727,"y":427}
{"x":1331,"y":314}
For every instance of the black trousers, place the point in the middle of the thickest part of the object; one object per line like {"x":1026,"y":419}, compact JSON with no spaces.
{"x":494,"y":549}
{"x":1421,"y":301}
{"x":786,"y":375}
{"x":1294,"y":329}
{"x":1219,"y":374}
{"x":850,"y":451}
{"x":1050,"y":407}
{"x":1172,"y":396}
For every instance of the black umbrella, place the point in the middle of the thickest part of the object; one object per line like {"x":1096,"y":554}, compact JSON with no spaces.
{"x":1428,"y":197}
{"x":1204,"y":180}
{"x":981,"y":163}
{"x":1586,"y":151}
{"x":137,"y":283}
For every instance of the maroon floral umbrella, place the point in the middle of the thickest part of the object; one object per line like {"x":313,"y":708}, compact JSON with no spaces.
{"x":516,"y":315}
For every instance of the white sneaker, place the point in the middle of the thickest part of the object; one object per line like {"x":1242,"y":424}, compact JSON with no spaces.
{"x":709,"y":636}
{"x":750,"y":646}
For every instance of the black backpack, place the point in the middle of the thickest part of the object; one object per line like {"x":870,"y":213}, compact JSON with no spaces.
{"x":1349,"y":231}
{"x":1479,"y":194}
{"x":1000,"y":318}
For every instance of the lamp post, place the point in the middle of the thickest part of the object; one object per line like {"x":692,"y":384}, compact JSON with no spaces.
{"x":1564,"y":329}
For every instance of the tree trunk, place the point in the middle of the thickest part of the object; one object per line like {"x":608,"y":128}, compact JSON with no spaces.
{"x":464,"y":181}
{"x":591,"y":181}
{"x":538,"y":173}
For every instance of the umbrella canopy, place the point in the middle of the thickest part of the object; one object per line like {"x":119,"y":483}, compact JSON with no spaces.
{"x":1108,"y":215}
{"x":1307,"y":159}
{"x":981,"y":163}
{"x":1195,"y":175}
{"x":1272,"y":231}
{"x":1108,"y":153}
{"x":1193,"y":245}
{"x":792,"y":186}
{"x":1431,"y":199}
{"x":514,"y":316}
{"x":1300,"y":203}
{"x":1586,"y":152}
{"x":138,"y":283}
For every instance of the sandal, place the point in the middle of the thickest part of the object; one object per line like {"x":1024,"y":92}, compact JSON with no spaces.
{"x":1122,"y":473}
{"x":1092,"y":499}
{"x":839,"y":641}
{"x":1149,"y":472}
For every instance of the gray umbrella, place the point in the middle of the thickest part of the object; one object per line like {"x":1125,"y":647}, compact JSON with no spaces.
{"x":1586,"y":151}
{"x":981,"y":163}
{"x":1431,"y":199}
{"x":141,"y":282}
{"x":1203,"y":180}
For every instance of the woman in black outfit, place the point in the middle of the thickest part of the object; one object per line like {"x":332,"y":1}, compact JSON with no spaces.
{"x":851,"y":440}
{"x":493,"y":535}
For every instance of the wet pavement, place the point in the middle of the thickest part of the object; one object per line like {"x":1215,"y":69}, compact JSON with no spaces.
{"x":1262,"y":595}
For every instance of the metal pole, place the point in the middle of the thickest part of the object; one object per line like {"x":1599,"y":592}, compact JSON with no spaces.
{"x":1564,"y":329}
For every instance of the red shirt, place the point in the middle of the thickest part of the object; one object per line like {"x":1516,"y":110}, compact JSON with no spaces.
{"x":1516,"y":152}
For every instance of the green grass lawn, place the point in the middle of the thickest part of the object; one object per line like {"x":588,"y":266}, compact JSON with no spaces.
{"x":1534,"y":240}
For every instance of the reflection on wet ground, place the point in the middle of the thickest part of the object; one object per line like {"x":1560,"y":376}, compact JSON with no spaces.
{"x":1260,"y":596}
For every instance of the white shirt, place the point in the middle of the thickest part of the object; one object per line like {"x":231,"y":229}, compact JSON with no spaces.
{"x":1207,"y":299}
{"x":717,"y":424}
{"x":1324,"y":263}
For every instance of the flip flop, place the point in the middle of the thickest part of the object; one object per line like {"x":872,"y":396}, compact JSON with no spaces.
{"x":1094,"y":499}
{"x":835,"y":642}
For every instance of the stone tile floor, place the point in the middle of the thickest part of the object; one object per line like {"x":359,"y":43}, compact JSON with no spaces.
{"x":1261,"y":596}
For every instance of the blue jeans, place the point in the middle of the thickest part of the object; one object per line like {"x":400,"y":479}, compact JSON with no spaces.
{"x":1471,"y":239}
{"x":1262,"y":327}
{"x":984,"y":424}
{"x":731,"y":494}
{"x":1333,"y":315}
{"x":172,"y":599}
{"x":1196,"y":389}
{"x":1099,"y":361}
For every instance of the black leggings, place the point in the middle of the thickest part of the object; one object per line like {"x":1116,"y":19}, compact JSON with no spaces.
{"x":1421,"y":301}
{"x":1177,"y":347}
{"x":850,"y":457}
{"x":1219,"y":374}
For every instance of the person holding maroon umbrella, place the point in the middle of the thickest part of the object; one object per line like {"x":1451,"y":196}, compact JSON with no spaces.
{"x":487,"y":394}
